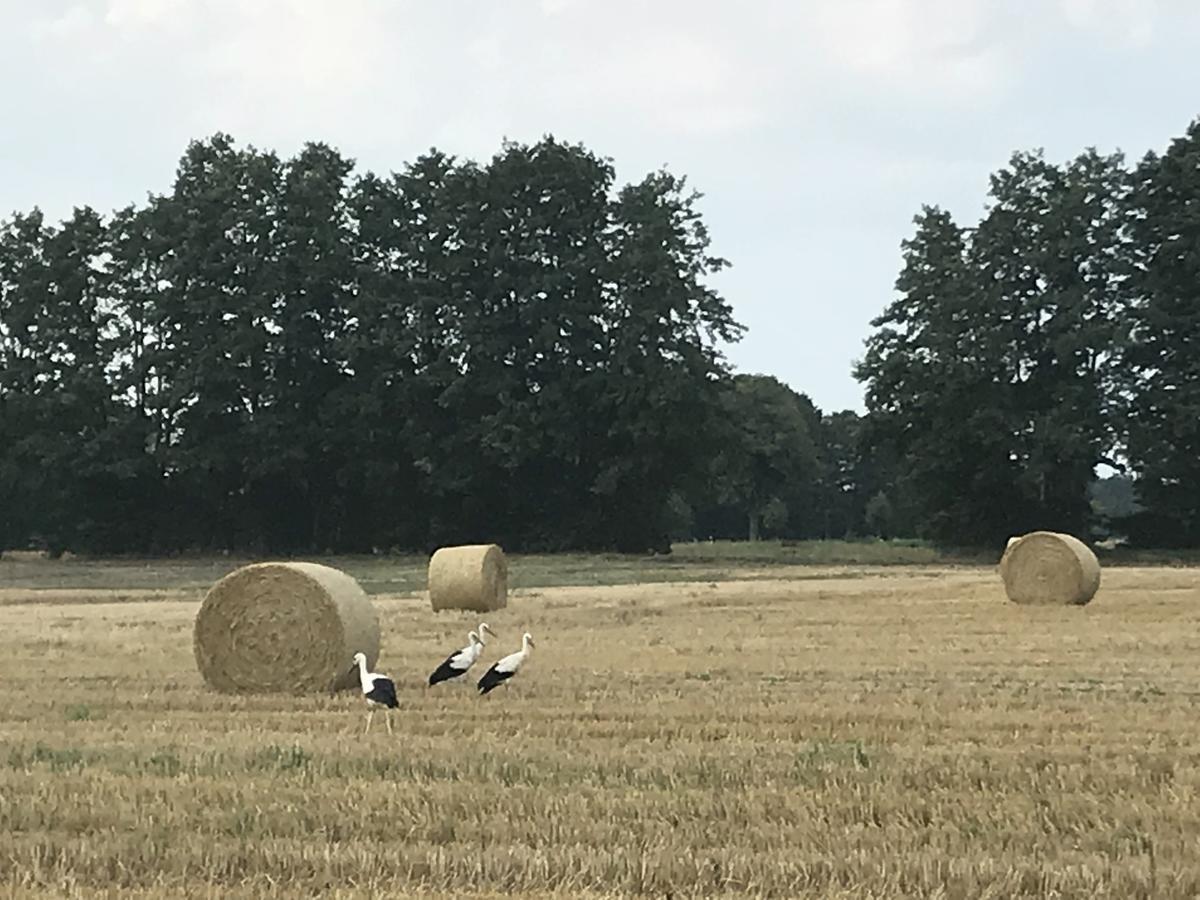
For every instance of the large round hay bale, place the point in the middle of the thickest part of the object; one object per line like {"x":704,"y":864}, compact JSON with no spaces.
{"x":1007,"y":547}
{"x":473,"y":577}
{"x":1050,"y":568}
{"x":284,"y":628}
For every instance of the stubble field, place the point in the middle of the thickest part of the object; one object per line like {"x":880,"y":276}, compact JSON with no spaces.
{"x":787,"y":732}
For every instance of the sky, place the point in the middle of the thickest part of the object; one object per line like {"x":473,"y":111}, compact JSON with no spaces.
{"x":815,"y":129}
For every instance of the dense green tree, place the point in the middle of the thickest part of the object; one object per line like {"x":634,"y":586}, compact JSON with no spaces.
{"x":1053,"y":256}
{"x":859,"y":462}
{"x":933,"y":389}
{"x":993,"y":375}
{"x":216,"y":304}
{"x":26,"y":365}
{"x":304,"y":423}
{"x":841,"y":505}
{"x":1164,"y":417}
{"x":71,"y":457}
{"x":765,"y":473}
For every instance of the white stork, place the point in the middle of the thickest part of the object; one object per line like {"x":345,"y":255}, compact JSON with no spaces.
{"x":379,"y":690}
{"x":505,"y":668}
{"x":458,"y":662}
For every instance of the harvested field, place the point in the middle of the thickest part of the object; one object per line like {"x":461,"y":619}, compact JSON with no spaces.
{"x":791,"y":732}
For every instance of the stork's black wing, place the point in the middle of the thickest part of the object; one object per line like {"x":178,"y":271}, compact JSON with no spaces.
{"x":383,"y":692}
{"x":491,"y":678}
{"x":446,"y":670}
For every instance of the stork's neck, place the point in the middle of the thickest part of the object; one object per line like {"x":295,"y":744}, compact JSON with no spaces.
{"x":362,"y":675}
{"x":475,"y":639}
{"x":525,"y":644}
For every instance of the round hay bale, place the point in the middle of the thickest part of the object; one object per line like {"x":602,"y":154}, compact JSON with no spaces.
{"x":284,"y":628}
{"x":1049,"y":568}
{"x":1007,"y":547}
{"x":473,"y":577}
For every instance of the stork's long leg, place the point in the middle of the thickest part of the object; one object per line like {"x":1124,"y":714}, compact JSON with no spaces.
{"x":389,"y":721}
{"x":370,"y":713}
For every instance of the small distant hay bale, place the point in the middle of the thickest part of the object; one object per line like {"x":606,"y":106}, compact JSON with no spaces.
{"x":1045,"y":567}
{"x":473,"y":577}
{"x":279,"y":627}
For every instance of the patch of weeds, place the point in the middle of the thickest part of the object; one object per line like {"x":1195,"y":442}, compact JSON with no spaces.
{"x":828,"y":754}
{"x":81,"y":712}
{"x":58,"y":759}
{"x":281,"y":759}
{"x":164,"y":762}
{"x":698,"y":676}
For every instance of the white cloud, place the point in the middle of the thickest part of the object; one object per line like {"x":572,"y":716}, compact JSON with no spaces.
{"x":681,"y":83}
{"x":1128,"y":23}
{"x":138,"y":13}
{"x":74,"y":20}
{"x":289,"y":69}
{"x":487,"y":52}
{"x":934,"y":49}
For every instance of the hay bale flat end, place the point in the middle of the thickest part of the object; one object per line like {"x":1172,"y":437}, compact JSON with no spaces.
{"x":1045,"y":567}
{"x":471,"y":577}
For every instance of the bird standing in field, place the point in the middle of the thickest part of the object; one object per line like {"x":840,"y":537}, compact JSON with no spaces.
{"x":458,"y":662}
{"x":506,"y":668}
{"x":378,"y":689}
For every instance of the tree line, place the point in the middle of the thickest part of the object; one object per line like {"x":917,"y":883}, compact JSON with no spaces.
{"x":1059,"y":334}
{"x":284,"y":355}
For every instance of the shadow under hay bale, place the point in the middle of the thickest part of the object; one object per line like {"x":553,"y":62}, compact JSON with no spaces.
{"x":284,"y":628}
{"x":472,"y":577}
{"x":1046,"y":567}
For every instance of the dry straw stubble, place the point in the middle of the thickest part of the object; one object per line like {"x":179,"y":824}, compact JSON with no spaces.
{"x":278,"y":627}
{"x":472,"y":577}
{"x":1046,"y":567}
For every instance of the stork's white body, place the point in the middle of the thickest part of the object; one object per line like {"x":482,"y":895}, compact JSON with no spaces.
{"x":379,"y":690}
{"x":458,"y":663}
{"x":506,"y":667}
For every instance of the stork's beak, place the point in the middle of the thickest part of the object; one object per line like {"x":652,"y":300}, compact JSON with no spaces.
{"x":531,"y":643}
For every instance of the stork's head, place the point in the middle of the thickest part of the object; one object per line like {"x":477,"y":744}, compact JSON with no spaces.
{"x":527,"y":639}
{"x":360,"y":659}
{"x":485,"y":628}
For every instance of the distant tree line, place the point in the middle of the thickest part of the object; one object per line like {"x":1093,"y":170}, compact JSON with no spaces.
{"x":1060,"y":333}
{"x":280,"y":355}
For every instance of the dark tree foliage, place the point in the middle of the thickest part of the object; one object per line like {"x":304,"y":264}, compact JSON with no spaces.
{"x":1164,"y":414}
{"x":281,"y":355}
{"x":781,"y":468}
{"x":278,"y":355}
{"x":994,"y":376}
{"x":765,"y":471}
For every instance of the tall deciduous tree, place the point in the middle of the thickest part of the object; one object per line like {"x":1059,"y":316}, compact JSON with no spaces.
{"x":216,"y":302}
{"x":1052,"y":255}
{"x":767,"y":465}
{"x":1164,"y":420}
{"x":935,"y":384}
{"x":994,"y":375}
{"x":517,"y":351}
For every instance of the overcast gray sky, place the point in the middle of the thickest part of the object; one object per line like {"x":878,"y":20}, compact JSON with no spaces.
{"x":814,"y":129}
